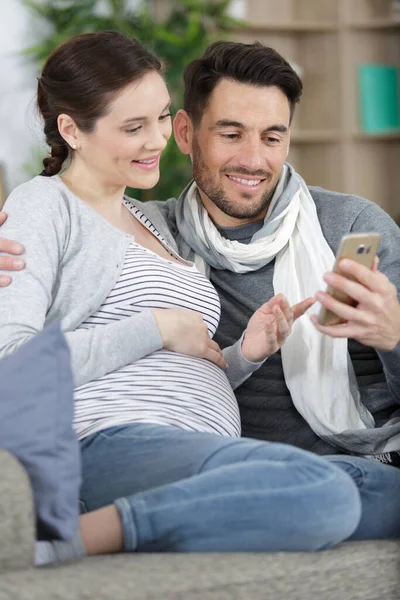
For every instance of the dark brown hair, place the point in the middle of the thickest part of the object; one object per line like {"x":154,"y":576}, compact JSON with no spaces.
{"x":80,"y":78}
{"x":253,"y":64}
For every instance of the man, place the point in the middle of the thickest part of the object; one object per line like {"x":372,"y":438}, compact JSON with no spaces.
{"x":256,"y":229}
{"x":238,"y":149}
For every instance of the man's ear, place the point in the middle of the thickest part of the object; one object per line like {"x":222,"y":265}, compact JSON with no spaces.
{"x":183,"y":131}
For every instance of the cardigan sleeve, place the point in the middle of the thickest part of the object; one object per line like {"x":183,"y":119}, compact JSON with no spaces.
{"x":41,"y":224}
{"x":239,"y":368}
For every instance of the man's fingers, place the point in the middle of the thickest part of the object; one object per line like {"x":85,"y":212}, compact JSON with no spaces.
{"x":301,"y":307}
{"x":3,"y":217}
{"x":338,"y":331}
{"x":362,"y":294}
{"x":375,"y":264}
{"x":344,"y":311}
{"x":8,"y":263}
{"x":331,"y":330}
{"x":10,"y":246}
{"x":4,"y":280}
{"x":372,"y":280}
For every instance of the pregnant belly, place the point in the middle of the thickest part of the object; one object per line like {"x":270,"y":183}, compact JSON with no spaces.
{"x":167,"y":387}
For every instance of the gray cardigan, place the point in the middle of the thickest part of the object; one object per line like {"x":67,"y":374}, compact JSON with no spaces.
{"x":73,"y":258}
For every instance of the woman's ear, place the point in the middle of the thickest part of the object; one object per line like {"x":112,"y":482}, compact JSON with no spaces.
{"x":68,"y":130}
{"x":183,"y":131}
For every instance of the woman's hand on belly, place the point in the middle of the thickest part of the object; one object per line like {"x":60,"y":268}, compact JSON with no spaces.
{"x":184,"y":331}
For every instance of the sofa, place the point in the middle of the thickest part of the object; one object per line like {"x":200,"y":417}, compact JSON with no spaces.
{"x":352,"y":571}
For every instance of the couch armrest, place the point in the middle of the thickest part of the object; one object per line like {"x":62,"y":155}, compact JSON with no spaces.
{"x":17,"y":520}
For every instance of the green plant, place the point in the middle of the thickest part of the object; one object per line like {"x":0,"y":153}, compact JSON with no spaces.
{"x":184,"y":33}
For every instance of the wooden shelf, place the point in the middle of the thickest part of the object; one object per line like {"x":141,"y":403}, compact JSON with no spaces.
{"x":392,"y":136}
{"x":328,"y":40}
{"x":378,"y":24}
{"x":309,"y":136}
{"x":290,"y":27}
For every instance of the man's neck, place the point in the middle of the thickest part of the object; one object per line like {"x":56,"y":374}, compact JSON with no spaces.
{"x":242,"y":233}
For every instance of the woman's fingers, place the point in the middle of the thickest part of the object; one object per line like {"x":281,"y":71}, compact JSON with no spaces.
{"x":282,"y":325}
{"x":301,"y":307}
{"x":214,"y":354}
{"x":286,"y":308}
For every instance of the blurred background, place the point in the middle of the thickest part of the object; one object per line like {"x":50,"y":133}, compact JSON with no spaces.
{"x":346,"y":131}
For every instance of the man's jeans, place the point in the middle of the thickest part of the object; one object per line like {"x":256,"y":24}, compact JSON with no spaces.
{"x":185,"y":491}
{"x":379,"y":488}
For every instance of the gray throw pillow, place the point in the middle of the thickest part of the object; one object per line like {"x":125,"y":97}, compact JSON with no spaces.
{"x":36,"y":412}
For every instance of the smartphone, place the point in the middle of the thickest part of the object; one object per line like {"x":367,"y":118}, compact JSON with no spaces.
{"x":362,"y":248}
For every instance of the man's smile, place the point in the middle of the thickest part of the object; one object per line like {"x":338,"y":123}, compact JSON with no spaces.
{"x":246,"y":183}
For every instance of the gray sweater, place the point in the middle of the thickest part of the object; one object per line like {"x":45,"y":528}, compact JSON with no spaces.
{"x":74,"y":257}
{"x":267,"y":410}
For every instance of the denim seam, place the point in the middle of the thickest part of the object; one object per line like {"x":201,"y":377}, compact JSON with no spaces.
{"x":362,"y":473}
{"x":245,"y":457}
{"x":211,"y":456}
{"x":106,"y":436}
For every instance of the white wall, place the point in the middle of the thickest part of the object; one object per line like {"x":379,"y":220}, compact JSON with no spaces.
{"x":238,"y":9}
{"x":19,"y":127}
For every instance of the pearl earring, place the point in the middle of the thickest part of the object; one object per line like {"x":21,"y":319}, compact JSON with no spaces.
{"x":74,"y":146}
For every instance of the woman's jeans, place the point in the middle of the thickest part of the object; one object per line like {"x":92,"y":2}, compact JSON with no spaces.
{"x":183,"y":491}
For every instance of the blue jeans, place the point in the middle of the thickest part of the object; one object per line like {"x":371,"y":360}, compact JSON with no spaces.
{"x":183,"y":491}
{"x":379,"y":488}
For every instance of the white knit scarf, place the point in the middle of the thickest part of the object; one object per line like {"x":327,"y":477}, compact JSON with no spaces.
{"x":317,"y":368}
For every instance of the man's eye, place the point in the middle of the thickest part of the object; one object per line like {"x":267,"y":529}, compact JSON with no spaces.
{"x":230,"y":136}
{"x":272,"y":140}
{"x":163,"y":117}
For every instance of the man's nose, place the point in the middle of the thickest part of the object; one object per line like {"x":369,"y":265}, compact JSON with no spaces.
{"x":252,"y":154}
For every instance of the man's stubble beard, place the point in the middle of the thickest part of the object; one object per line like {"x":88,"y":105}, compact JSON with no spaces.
{"x":217,"y":195}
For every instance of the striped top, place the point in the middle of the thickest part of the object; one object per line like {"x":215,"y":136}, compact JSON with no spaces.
{"x":164,"y":387}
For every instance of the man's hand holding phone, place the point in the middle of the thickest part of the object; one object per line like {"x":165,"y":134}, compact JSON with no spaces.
{"x":375,"y":319}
